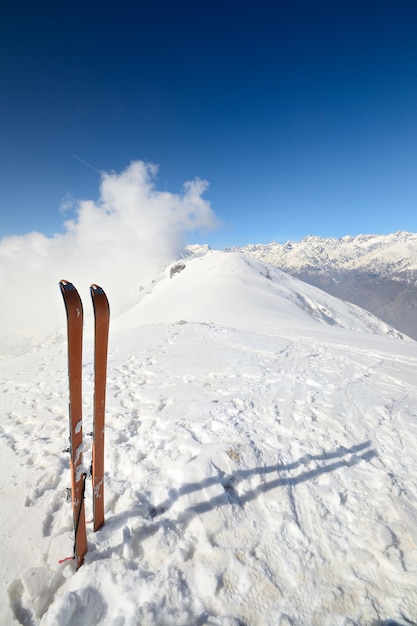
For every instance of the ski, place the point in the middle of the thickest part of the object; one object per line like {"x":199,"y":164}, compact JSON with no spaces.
{"x":74,"y":312}
{"x":101,"y":334}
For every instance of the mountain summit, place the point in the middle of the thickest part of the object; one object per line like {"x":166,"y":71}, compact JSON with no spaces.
{"x":258,"y":466}
{"x":236,"y":290}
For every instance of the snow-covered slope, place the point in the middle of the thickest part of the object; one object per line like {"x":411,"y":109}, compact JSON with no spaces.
{"x":234,"y":289}
{"x":259,"y":463}
{"x":376,"y":272}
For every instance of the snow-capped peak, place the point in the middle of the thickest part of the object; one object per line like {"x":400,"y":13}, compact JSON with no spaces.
{"x":393,"y":254}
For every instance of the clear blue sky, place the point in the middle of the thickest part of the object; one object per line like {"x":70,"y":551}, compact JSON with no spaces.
{"x":302,"y":115}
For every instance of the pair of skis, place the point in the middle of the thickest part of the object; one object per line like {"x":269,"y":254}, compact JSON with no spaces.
{"x":74,"y":310}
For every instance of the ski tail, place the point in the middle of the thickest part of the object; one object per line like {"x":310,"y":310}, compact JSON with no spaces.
{"x":101,"y":334}
{"x":74,"y":310}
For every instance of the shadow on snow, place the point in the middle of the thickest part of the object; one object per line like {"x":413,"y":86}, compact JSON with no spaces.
{"x":332,"y":461}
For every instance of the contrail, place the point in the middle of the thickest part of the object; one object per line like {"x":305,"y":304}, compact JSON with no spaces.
{"x":85,"y":163}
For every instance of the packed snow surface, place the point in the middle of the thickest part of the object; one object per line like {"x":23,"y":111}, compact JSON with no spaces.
{"x":260,"y":462}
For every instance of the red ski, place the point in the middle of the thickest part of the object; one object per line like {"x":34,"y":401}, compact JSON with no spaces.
{"x":74,"y":311}
{"x":101,"y":334}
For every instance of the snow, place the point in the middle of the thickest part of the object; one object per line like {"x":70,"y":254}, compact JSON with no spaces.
{"x":393,"y":254}
{"x":375,"y":272}
{"x":259,"y":462}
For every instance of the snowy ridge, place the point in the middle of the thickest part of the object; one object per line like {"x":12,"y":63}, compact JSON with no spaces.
{"x":258,"y":463}
{"x":233,"y":288}
{"x":376,"y":272}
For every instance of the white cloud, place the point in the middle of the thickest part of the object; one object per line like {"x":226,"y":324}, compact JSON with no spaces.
{"x":120,"y":241}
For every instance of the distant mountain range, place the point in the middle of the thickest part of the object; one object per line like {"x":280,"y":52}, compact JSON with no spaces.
{"x":376,"y":272}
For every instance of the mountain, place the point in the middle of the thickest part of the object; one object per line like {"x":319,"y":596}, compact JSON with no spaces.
{"x":258,"y":464}
{"x":232,"y":288}
{"x":376,"y":272}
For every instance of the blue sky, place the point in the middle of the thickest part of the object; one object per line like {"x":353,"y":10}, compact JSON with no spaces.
{"x":301,"y":115}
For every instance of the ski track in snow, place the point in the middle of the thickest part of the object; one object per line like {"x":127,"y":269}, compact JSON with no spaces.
{"x":250,"y":480}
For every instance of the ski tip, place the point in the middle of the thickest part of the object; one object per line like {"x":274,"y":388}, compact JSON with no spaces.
{"x":96,"y":289}
{"x":66,"y":285}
